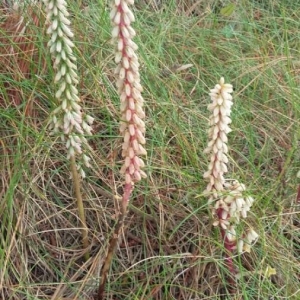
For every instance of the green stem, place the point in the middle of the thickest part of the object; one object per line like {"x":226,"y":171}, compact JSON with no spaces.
{"x":80,"y":207}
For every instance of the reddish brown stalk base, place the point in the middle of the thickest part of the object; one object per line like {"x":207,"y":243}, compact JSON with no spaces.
{"x":229,"y":246}
{"x":113,"y":243}
{"x":298,"y":195}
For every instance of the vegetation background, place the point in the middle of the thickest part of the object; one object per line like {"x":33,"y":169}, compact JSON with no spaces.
{"x":169,"y":249}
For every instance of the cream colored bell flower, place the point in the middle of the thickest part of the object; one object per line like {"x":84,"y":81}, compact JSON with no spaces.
{"x":68,"y":120}
{"x":228,"y":199}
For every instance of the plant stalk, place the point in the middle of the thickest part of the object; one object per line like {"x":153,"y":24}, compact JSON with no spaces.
{"x":229,"y":263}
{"x":80,"y":207}
{"x":113,"y":243}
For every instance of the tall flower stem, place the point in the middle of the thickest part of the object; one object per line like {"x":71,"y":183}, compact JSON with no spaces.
{"x":132,"y":127}
{"x":67,"y":119}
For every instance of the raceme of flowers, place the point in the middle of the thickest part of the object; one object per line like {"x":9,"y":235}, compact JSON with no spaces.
{"x":227,"y":198}
{"x":67,"y":119}
{"x":132,"y":126}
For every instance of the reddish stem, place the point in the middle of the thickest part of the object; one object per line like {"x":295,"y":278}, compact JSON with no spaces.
{"x":114,"y":241}
{"x":229,"y":246}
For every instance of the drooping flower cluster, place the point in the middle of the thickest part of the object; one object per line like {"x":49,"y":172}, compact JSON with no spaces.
{"x":229,"y":203}
{"x":132,"y":126}
{"x":68,"y":119}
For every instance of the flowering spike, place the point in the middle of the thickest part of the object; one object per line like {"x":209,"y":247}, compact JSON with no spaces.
{"x":67,"y":117}
{"x":229,"y":203}
{"x":132,"y":127}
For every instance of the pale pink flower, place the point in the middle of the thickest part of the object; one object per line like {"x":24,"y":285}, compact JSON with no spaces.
{"x":132,"y":126}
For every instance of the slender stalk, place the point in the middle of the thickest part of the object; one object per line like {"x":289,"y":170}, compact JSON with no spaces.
{"x":229,"y":263}
{"x":80,"y":207}
{"x":113,"y":243}
{"x":68,"y":119}
{"x":132,"y":127}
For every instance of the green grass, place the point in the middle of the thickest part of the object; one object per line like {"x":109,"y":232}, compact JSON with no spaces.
{"x":169,"y":249}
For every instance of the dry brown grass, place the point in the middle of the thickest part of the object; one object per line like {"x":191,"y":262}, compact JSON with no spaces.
{"x":18,"y":52}
{"x":168,"y":249}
